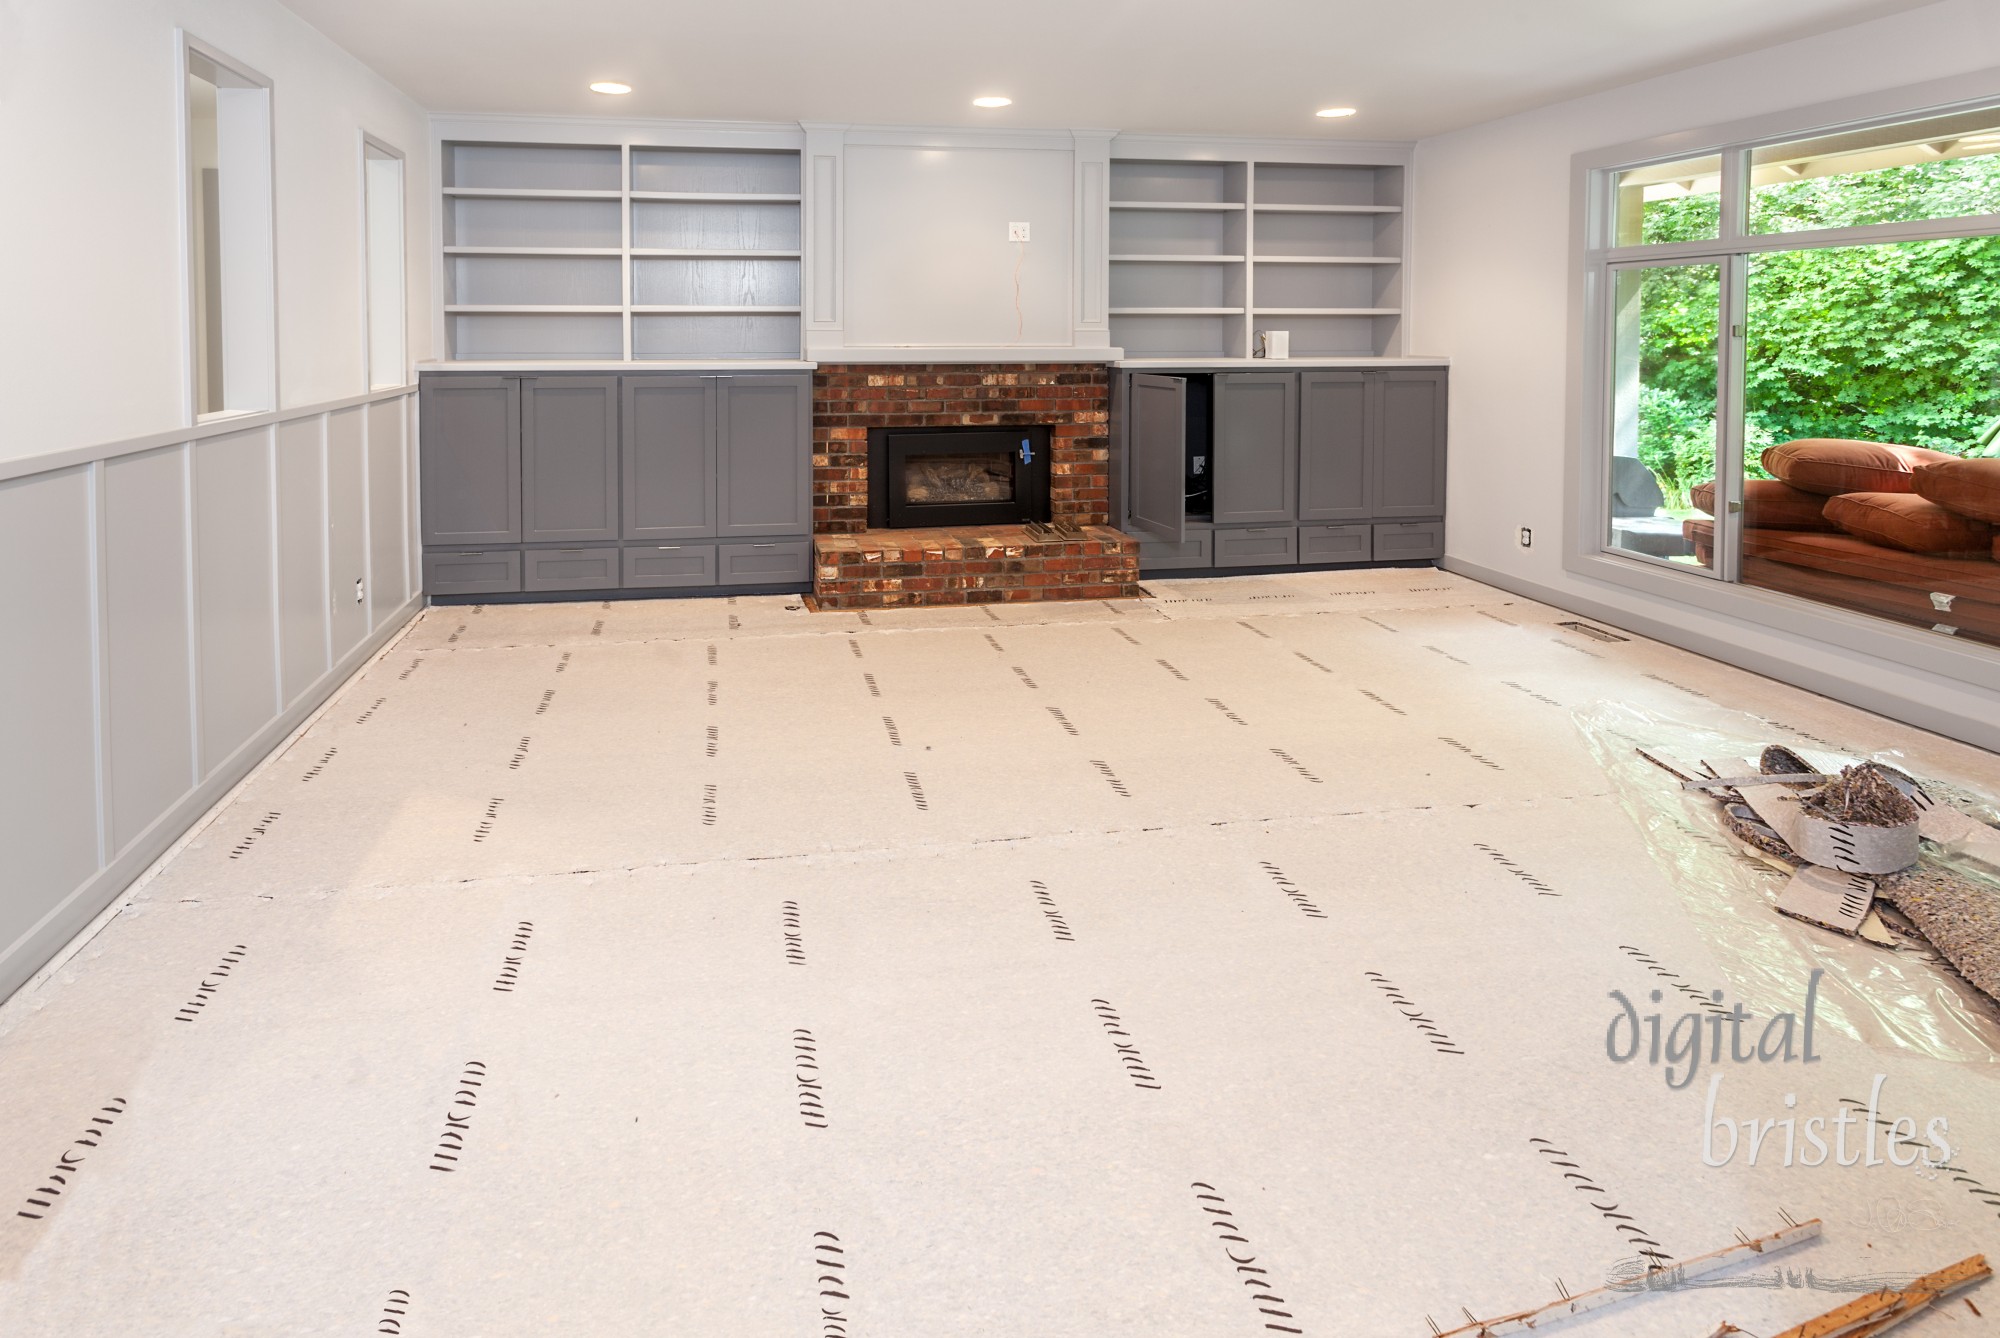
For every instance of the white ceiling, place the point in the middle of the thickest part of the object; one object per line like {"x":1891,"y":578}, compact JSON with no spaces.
{"x":1413,"y":67}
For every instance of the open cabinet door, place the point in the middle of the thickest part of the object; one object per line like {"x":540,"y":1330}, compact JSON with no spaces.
{"x":1157,"y":437}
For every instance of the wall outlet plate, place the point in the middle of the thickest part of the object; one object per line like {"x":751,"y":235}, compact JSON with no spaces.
{"x":357,"y":590}
{"x":1017,"y":232}
{"x":1527,"y":537}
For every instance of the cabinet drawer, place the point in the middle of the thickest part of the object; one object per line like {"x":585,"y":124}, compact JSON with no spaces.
{"x":664,"y":565}
{"x":1197,"y":550}
{"x":784,"y":562}
{"x":570,"y":569}
{"x":1413,"y":542}
{"x":1328,"y":544}
{"x":1264,"y":546}
{"x":479,"y":572}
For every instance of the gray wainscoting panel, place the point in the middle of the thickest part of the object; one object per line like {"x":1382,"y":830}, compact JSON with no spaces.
{"x":346,"y":528}
{"x":302,"y":656}
{"x":150,"y":684}
{"x":48,"y":697}
{"x":178,"y":616}
{"x":236,"y":598}
{"x":388,"y":560}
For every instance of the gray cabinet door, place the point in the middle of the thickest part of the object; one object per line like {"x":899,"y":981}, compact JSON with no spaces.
{"x":1333,"y":446}
{"x":1256,"y":447}
{"x":470,"y":457}
{"x":1156,"y":452}
{"x":569,"y":456}
{"x":669,"y":428}
{"x":1409,"y":440}
{"x":764,"y":467}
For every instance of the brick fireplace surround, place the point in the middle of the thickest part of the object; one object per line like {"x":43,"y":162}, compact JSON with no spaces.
{"x":857,"y":568}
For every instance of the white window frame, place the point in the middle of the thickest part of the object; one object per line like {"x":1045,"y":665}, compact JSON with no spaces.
{"x":375,"y":148}
{"x":250,"y":332}
{"x":1586,"y":552}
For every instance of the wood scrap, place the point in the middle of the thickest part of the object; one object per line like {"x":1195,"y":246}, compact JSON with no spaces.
{"x":1879,"y":1312}
{"x":1660,"y":1278}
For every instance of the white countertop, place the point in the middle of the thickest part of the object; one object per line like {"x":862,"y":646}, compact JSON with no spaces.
{"x":1003,"y":353}
{"x":1269,"y":364}
{"x":613,"y":365}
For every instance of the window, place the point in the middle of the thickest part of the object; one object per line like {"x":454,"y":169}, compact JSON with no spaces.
{"x":382,"y":211}
{"x":1797,"y":346}
{"x":230,"y":280}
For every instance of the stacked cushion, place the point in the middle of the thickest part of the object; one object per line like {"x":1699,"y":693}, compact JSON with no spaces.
{"x":1909,"y":522}
{"x":1829,"y":466}
{"x":1965,"y":487}
{"x":1769,"y":504}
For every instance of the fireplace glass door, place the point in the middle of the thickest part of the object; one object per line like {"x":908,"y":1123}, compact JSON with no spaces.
{"x":919,"y":477}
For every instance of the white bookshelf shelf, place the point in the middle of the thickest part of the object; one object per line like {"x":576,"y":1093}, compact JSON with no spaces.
{"x":1206,"y":253}
{"x":1176,"y":311}
{"x":712,"y":253}
{"x":1329,"y":260}
{"x":622,"y":251}
{"x":527,"y":193}
{"x":532,"y":251}
{"x":715,"y":197}
{"x":714,"y":311}
{"x":1329,"y":208}
{"x":531,"y":309}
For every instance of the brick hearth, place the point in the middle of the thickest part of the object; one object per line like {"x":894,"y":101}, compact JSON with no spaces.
{"x":988,"y":564}
{"x":854,"y":567}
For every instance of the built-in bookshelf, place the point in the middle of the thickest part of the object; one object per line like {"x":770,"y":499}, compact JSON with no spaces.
{"x":1205,"y":254}
{"x":579,"y":252}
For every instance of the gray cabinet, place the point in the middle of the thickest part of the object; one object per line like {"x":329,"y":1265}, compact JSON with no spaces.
{"x":1322,"y":466}
{"x":1155,"y":426}
{"x":1408,"y":447}
{"x":1334,"y":454}
{"x":669,"y":456}
{"x":764,"y":464}
{"x":471,"y":461}
{"x":569,"y":458}
{"x":1256,"y":447}
{"x":596,"y":481}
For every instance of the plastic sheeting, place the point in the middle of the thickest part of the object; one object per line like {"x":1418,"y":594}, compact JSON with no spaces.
{"x":1907,"y":997}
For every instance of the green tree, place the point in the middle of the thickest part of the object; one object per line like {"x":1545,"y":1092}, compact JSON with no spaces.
{"x":1894,"y":342}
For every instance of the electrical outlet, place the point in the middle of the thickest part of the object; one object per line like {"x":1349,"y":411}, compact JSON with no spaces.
{"x":357,"y":590}
{"x":1527,"y":537}
{"x":1017,"y":232}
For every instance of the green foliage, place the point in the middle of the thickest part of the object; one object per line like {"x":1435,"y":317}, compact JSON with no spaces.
{"x":1895,"y":342}
{"x":1676,"y":442}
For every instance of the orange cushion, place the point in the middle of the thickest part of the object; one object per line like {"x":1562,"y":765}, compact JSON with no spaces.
{"x":1966,"y":487}
{"x":1906,"y":521}
{"x":1830,"y":467}
{"x":1770,"y":504}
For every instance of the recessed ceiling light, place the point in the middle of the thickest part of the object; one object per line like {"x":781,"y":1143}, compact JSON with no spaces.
{"x":993,"y":102}
{"x":609,"y":86}
{"x":1334,"y":111}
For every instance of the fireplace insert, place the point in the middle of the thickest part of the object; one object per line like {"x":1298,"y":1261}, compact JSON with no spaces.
{"x":929,"y":476}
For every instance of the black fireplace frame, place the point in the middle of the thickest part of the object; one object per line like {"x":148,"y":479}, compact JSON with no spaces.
{"x":889,"y":446}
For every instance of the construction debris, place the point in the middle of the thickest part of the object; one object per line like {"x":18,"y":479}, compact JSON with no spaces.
{"x":1878,"y":1312}
{"x":1665,"y":1277}
{"x":1849,"y":837}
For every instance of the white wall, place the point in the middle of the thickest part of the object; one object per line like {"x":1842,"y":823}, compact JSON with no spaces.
{"x":179,"y":597}
{"x":928,"y":261}
{"x":1493,"y":220}
{"x":92,"y":323}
